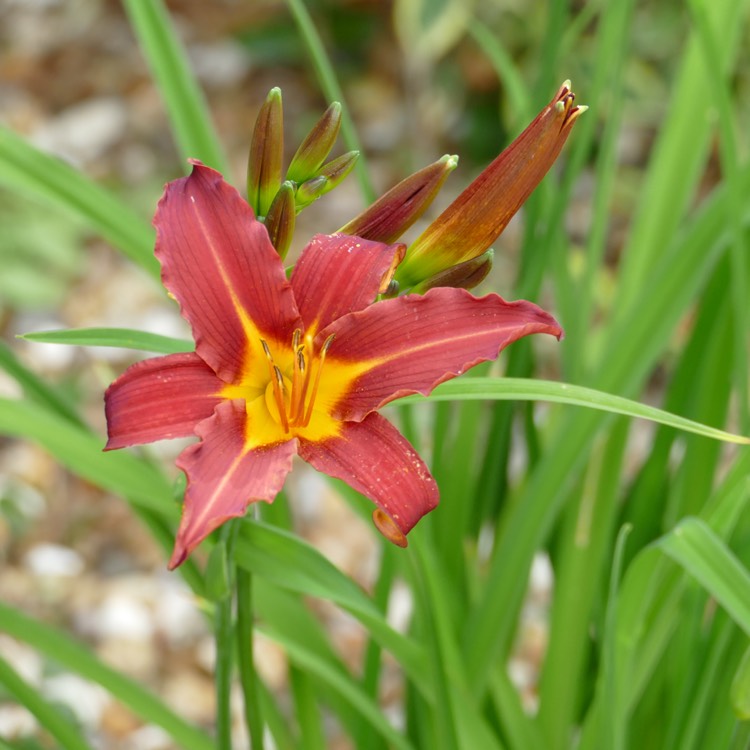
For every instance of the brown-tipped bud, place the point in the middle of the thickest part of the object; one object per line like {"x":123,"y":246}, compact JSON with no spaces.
{"x":395,"y":211}
{"x":316,"y":146}
{"x":330,"y":175}
{"x":281,"y":218}
{"x":264,"y":166}
{"x":465,"y":275}
{"x":308,"y":192}
{"x":477,"y":217}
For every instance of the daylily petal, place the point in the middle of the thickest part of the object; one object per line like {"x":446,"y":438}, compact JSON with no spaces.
{"x":411,"y":344}
{"x":160,"y":398}
{"x":224,"y":476}
{"x":338,"y":274}
{"x":221,"y":267}
{"x":375,"y":459}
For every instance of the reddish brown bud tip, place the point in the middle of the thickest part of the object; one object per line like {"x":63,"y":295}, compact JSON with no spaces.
{"x":316,"y":146}
{"x":395,"y":211}
{"x":264,"y":166}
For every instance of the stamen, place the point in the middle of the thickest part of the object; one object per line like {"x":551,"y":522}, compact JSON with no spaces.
{"x":277,"y":380}
{"x":295,"y":338}
{"x":266,"y":350}
{"x":278,"y":393}
{"x":322,"y":358}
{"x":299,"y":383}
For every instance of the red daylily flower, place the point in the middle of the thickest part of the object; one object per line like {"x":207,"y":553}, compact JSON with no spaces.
{"x":299,"y":366}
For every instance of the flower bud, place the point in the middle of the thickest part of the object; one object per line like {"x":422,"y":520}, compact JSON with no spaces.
{"x":395,"y":211}
{"x":465,"y":275}
{"x":329,"y":176}
{"x":477,"y":217}
{"x":281,"y":219}
{"x":316,"y":146}
{"x":264,"y":167}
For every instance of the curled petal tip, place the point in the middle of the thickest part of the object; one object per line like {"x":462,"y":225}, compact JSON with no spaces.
{"x":179,"y":555}
{"x":388,"y":528}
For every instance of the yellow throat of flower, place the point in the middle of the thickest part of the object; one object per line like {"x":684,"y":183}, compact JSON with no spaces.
{"x":287,"y":394}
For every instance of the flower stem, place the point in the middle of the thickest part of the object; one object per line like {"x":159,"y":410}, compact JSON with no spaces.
{"x":223,"y":634}
{"x":223,"y":669}
{"x":245,"y":657}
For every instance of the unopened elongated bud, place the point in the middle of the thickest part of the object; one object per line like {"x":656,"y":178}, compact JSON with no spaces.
{"x":316,"y":146}
{"x":281,"y":218}
{"x":395,"y":211}
{"x":465,"y":275}
{"x":330,"y":175}
{"x":265,"y":163}
{"x":476,"y":218}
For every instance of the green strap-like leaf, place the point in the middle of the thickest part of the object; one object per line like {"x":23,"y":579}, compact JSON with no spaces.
{"x":694,"y":546}
{"x":25,"y":169}
{"x":284,"y":559}
{"x":182,"y":96}
{"x":73,"y":656}
{"x":124,"y":338}
{"x":35,"y":388}
{"x":81,"y":451}
{"x":48,"y":715}
{"x":523,"y":389}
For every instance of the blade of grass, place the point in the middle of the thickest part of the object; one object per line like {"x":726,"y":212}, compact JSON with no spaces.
{"x":282,"y":558}
{"x":35,"y":389}
{"x":523,"y":389}
{"x":289,"y":617}
{"x":347,"y":690}
{"x":678,"y":158}
{"x":307,"y":709}
{"x":607,"y":93}
{"x":188,"y":113}
{"x":702,"y":702}
{"x":81,"y":452}
{"x":57,"y":646}
{"x":581,"y":560}
{"x":332,"y":91}
{"x":124,"y":338}
{"x":506,"y":70}
{"x":248,"y":675}
{"x":649,"y":612}
{"x":25,"y":169}
{"x":730,"y":160}
{"x":694,"y":546}
{"x":51,"y":719}
{"x":459,"y":722}
{"x":631,"y":349}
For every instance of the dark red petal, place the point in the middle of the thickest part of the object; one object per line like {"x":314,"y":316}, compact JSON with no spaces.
{"x":375,"y":459}
{"x":220,"y":265}
{"x":413,"y":343}
{"x":338,"y":274}
{"x":224,"y":477}
{"x":160,"y":398}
